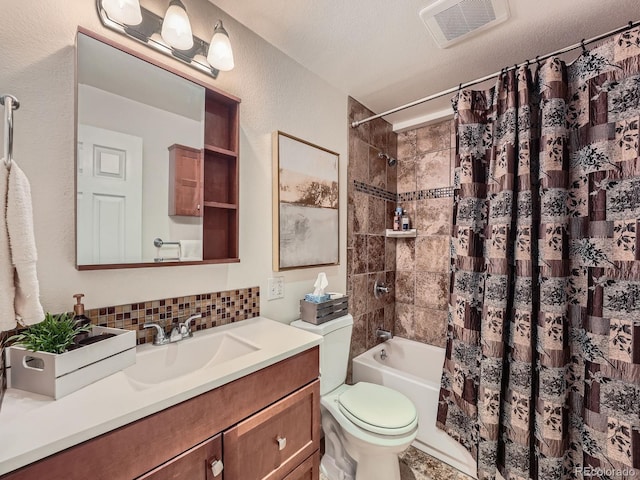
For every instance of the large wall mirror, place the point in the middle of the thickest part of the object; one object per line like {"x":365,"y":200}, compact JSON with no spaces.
{"x":132,"y":117}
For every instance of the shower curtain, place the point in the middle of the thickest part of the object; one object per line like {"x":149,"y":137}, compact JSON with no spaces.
{"x":542,"y":370}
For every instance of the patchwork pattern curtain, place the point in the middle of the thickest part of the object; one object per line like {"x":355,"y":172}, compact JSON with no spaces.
{"x":542,"y":371}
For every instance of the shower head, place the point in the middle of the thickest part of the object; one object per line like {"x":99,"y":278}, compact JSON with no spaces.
{"x":390,"y":160}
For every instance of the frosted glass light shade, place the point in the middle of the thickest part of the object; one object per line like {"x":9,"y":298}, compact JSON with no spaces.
{"x":176,"y":28}
{"x":126,"y":12}
{"x":220,"y":54}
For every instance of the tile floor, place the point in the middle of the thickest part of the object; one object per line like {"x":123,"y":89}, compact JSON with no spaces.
{"x":417,"y":465}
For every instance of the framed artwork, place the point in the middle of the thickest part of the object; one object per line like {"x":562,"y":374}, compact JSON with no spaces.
{"x":305,"y":204}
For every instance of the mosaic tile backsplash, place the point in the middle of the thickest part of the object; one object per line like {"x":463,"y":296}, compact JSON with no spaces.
{"x":217,"y":308}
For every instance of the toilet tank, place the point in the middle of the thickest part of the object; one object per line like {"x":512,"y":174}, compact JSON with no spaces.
{"x":334,"y":350}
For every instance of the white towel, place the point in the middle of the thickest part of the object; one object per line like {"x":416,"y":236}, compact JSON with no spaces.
{"x":23,"y":248}
{"x":7,"y":287}
{"x":190,"y":250}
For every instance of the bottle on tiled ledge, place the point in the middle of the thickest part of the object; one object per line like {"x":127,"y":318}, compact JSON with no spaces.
{"x":397,"y":219}
{"x":405,"y":220}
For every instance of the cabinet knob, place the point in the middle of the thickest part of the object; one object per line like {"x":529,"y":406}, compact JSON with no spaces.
{"x":216,"y":467}
{"x":282,"y":442}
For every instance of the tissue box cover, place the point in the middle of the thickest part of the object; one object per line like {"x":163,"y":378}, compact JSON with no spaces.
{"x":57,"y":375}
{"x":318,"y":313}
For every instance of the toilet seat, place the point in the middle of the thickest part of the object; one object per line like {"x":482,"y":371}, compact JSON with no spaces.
{"x":378,"y":409}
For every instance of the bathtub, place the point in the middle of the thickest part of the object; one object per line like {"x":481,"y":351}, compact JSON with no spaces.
{"x":414,"y":369}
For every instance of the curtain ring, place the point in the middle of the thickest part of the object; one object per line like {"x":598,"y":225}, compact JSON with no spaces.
{"x":538,"y":60}
{"x":584,"y":49}
{"x":460,"y":87}
{"x":630,"y":24}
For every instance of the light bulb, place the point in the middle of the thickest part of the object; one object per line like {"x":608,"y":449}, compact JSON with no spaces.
{"x":176,"y":29}
{"x":220,"y":55}
{"x":126,"y":12}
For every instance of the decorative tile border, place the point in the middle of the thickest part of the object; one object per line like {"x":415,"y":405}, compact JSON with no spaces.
{"x":217,"y":308}
{"x":375,"y":191}
{"x":441,"y":192}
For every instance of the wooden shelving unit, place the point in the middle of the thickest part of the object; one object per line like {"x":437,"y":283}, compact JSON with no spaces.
{"x":220,"y":186}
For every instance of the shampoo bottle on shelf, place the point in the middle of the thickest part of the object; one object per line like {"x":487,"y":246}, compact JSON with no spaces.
{"x":397,"y":219}
{"x":405,"y":220}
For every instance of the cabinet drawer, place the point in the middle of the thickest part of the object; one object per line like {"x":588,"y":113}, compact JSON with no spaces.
{"x":270,"y":444}
{"x":194,"y":464}
{"x":307,"y":470}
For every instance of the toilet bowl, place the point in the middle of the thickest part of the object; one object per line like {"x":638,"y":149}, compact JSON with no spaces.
{"x":365,"y":425}
{"x":373,"y":424}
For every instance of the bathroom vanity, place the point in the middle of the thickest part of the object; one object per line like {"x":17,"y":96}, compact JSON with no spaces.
{"x":262,"y":424}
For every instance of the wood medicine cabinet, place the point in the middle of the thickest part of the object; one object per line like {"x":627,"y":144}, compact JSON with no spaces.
{"x":205,"y":183}
{"x":201,"y":150}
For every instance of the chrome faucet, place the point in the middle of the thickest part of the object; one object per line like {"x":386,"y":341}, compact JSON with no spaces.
{"x":179,"y":332}
{"x":185,"y":327}
{"x":384,"y":334}
{"x":161,"y":337}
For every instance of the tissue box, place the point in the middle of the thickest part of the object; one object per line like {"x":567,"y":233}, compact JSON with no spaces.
{"x":318,"y":313}
{"x":310,"y":297}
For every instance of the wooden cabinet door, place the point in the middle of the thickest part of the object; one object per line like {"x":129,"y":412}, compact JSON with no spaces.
{"x":194,"y":464}
{"x":185,"y":181}
{"x":307,"y":470}
{"x":272,"y":443}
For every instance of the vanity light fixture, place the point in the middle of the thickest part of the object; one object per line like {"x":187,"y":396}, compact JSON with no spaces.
{"x":126,"y":12}
{"x":220,"y":55}
{"x":170,"y":35}
{"x":176,"y":28}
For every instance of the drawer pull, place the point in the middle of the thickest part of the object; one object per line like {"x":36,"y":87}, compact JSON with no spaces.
{"x":216,"y":467}
{"x":282,"y":442}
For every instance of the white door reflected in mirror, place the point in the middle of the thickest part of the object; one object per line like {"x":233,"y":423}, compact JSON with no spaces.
{"x":109,"y":192}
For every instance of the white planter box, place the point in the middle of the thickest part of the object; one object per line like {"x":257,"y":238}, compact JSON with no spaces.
{"x":58,"y":375}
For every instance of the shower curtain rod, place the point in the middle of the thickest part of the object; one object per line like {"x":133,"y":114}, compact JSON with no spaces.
{"x":493,"y":75}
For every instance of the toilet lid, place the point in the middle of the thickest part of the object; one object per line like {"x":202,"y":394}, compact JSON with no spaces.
{"x":378,"y":409}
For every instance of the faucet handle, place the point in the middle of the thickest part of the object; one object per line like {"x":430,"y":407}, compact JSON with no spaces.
{"x":161,"y":336}
{"x":185,"y":327}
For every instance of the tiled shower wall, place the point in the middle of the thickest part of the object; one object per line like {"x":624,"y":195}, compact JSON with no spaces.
{"x":416,"y":268}
{"x":425,"y":166}
{"x":371,"y":200}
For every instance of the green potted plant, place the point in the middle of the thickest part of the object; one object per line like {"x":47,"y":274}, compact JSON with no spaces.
{"x":55,"y":334}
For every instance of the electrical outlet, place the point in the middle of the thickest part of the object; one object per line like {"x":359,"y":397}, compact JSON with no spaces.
{"x":275,"y":288}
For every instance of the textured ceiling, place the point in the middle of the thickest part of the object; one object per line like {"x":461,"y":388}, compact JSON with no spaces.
{"x":379,"y":52}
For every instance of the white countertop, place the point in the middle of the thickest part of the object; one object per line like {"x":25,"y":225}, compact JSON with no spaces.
{"x":33,"y":426}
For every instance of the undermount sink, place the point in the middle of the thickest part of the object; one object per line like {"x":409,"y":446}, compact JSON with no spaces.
{"x":157,"y":364}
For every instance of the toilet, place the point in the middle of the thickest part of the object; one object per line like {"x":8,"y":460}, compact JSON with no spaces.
{"x":365,"y":425}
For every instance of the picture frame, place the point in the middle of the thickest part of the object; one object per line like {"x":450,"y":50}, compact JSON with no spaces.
{"x":306,"y":206}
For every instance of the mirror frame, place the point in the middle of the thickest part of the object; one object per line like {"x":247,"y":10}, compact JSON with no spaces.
{"x":145,"y":58}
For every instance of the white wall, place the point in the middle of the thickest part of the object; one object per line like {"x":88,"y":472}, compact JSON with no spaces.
{"x":37,"y":65}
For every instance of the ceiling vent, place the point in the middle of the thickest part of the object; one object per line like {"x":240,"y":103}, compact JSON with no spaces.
{"x":451,"y":21}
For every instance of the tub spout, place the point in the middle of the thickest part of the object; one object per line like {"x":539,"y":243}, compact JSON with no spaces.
{"x":384,"y":334}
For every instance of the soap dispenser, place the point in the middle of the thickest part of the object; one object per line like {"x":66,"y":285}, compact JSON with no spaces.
{"x":79,"y":316}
